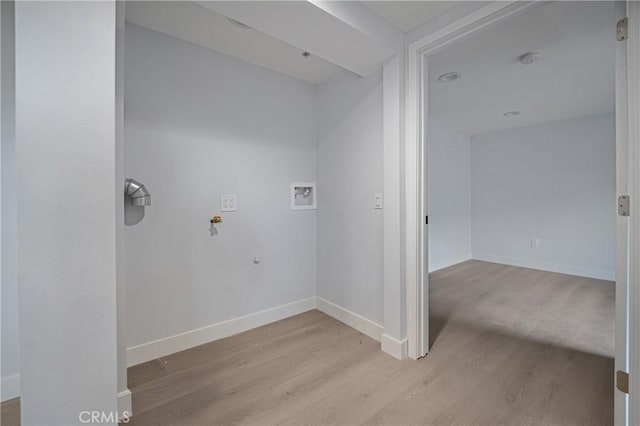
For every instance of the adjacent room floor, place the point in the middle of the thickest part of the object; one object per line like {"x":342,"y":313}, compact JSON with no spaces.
{"x":509,"y":346}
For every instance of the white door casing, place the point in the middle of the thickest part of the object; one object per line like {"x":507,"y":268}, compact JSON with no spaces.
{"x":622,"y":222}
{"x":416,"y":200}
{"x":633,"y":140}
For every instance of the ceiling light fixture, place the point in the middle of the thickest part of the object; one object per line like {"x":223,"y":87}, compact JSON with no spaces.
{"x":529,"y":58}
{"x":239,"y":24}
{"x":449,"y":77}
{"x":511,"y":113}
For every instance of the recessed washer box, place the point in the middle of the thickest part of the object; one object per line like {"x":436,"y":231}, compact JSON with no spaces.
{"x":304,"y":196}
{"x":228,"y":203}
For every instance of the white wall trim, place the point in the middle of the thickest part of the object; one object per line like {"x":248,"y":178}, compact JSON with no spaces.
{"x":623,"y":237}
{"x":392,"y":84}
{"x":124,"y":404}
{"x":353,"y":320}
{"x":444,"y":265}
{"x":179,"y":342}
{"x":189,"y":339}
{"x":10,"y":387}
{"x":395,"y":348}
{"x":633,"y":90}
{"x":560,"y":268}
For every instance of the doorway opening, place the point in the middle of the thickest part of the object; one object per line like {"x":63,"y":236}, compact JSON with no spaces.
{"x":520,"y":155}
{"x":472,"y":228}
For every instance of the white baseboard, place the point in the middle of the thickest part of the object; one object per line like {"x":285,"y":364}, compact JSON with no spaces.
{"x":162,"y":347}
{"x":436,"y":267}
{"x":351,"y":319}
{"x":396,"y":348}
{"x":598,"y":274}
{"x":10,"y":387}
{"x":179,"y":342}
{"x":124,"y":404}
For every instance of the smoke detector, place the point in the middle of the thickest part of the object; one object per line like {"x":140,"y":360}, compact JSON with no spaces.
{"x":511,"y":113}
{"x":529,"y":58}
{"x":239,"y":24}
{"x":449,"y":77}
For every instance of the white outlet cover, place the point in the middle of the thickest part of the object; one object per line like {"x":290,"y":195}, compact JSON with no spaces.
{"x":228,"y":203}
{"x":377,"y":200}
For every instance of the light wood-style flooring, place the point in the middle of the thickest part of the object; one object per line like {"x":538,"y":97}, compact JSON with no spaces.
{"x":510,"y":346}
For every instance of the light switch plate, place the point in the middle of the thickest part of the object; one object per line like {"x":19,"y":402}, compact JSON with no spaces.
{"x":378,"y":200}
{"x":228,"y":203}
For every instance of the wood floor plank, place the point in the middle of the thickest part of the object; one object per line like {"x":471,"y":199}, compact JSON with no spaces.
{"x":366,"y":393}
{"x":286,"y":398}
{"x":251,"y":339}
{"x":427,"y":401}
{"x":146,"y":372}
{"x":197,"y":406}
{"x":10,"y":412}
{"x":509,"y":346}
{"x":204,"y":374}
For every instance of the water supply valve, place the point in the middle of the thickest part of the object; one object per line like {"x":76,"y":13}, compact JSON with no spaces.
{"x":212,"y":228}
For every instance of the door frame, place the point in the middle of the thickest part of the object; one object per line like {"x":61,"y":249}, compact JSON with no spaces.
{"x":633,"y":139}
{"x":416,"y":121}
{"x":623,"y":180}
{"x":416,"y":113}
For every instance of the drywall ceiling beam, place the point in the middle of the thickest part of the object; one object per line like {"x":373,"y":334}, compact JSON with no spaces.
{"x":360,"y":17}
{"x":310,"y":28}
{"x":193,"y":23}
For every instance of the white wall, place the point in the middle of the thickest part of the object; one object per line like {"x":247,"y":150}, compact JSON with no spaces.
{"x":449,"y":168}
{"x":393,"y":132}
{"x":350,"y":233}
{"x":554,"y":182}
{"x":199,"y":124}
{"x":10,"y":338}
{"x":124,"y":396}
{"x":351,"y":269}
{"x":65,"y":107}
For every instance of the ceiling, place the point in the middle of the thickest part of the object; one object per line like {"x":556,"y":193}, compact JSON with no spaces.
{"x":336,"y":33}
{"x":338,"y":36}
{"x":574,"y":78}
{"x":202,"y":26}
{"x":356,"y":36}
{"x":406,"y":15}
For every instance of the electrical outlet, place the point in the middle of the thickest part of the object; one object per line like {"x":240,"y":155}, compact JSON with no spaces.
{"x":377,"y":200}
{"x":228,"y":203}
